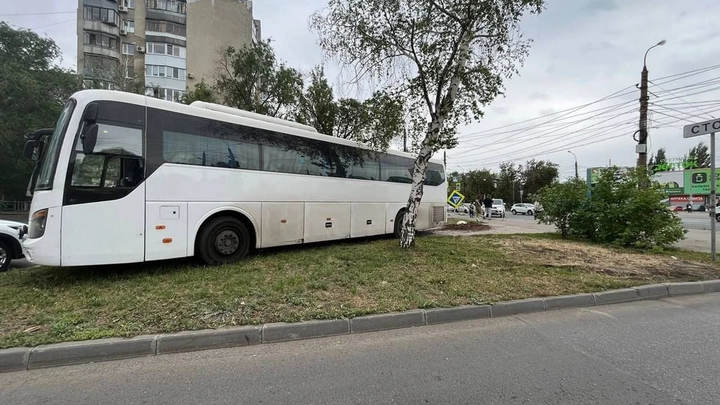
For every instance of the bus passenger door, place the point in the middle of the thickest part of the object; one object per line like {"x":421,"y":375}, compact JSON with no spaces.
{"x":103,"y":215}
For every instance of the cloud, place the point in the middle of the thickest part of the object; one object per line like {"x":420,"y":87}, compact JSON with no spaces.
{"x":601,"y":5}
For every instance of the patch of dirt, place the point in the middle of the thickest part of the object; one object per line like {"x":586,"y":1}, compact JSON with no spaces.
{"x":602,"y":259}
{"x":470,"y":226}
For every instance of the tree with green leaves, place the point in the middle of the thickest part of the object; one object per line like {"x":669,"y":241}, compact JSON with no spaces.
{"x":509,"y":181}
{"x":476,"y":184}
{"x":446,"y":58}
{"x":251,"y":78}
{"x":561,"y":203}
{"x":700,"y":155}
{"x":317,"y":104}
{"x":33,"y":89}
{"x":374,"y":121}
{"x":200,"y":92}
{"x":660,"y":157}
{"x":536,"y":174}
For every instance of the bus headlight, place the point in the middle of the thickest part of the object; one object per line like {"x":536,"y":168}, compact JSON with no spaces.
{"x":37,"y":224}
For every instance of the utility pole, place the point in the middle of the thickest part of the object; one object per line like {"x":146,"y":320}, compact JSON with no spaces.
{"x":445,"y":158}
{"x":576,"y":169}
{"x":642,"y":136}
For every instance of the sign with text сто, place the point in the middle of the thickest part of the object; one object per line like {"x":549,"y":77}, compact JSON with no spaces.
{"x":701,"y":128}
{"x":697,"y":129}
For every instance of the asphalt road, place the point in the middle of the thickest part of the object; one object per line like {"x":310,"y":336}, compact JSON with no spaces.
{"x":697,"y":220}
{"x":643,"y":352}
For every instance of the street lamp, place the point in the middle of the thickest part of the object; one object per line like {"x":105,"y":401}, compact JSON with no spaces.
{"x":661,"y":43}
{"x":576,"y":171}
{"x":642,"y":138}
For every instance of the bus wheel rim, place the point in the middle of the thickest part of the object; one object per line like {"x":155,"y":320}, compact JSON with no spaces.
{"x":227,"y":242}
{"x":3,"y":256}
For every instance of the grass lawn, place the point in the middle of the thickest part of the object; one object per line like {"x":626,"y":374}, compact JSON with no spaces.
{"x":345,"y":279}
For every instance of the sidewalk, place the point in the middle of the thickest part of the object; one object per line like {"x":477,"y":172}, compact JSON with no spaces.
{"x":697,"y":240}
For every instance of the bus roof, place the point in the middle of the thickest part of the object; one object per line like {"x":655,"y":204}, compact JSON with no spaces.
{"x":224,"y":113}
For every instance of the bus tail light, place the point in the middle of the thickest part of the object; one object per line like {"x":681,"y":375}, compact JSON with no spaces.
{"x":37,"y":224}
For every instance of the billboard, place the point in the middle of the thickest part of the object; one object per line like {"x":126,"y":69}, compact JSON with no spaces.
{"x":673,"y":182}
{"x":697,"y":181}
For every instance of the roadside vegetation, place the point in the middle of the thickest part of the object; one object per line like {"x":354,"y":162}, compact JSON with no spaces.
{"x":346,"y":279}
{"x":619,"y":211}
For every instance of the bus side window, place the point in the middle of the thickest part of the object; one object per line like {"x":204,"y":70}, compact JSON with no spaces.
{"x":114,"y":162}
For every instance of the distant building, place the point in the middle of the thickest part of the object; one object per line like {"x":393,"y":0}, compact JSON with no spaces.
{"x":161,"y":46}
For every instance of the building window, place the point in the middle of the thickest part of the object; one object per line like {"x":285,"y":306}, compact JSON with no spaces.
{"x":129,"y":69}
{"x":164,"y":26}
{"x":165,"y":71}
{"x":129,"y":3}
{"x":101,"y":40}
{"x":129,"y":26}
{"x":128,"y":49}
{"x":165,"y":94}
{"x":105,"y":15}
{"x":159,"y":48}
{"x":175,"y":6}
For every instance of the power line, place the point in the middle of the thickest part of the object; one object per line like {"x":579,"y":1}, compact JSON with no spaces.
{"x":604,"y":110}
{"x":38,"y":13}
{"x":571,"y":109}
{"x":52,"y":25}
{"x":680,"y":111}
{"x":578,"y":143}
{"x":689,"y":73}
{"x":554,"y":131}
{"x":562,"y":134}
{"x":573,"y":142}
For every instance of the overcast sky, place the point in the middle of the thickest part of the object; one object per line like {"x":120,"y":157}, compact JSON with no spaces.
{"x":583,"y":50}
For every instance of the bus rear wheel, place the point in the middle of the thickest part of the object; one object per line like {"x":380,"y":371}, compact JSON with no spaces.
{"x":223,"y":240}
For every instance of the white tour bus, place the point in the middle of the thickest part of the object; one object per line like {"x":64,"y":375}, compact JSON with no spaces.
{"x":127,"y":178}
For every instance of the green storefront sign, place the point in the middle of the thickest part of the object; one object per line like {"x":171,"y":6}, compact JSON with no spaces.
{"x":697,"y":181}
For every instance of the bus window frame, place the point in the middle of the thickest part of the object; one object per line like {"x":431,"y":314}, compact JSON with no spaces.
{"x":73,"y":195}
{"x":56,"y":158}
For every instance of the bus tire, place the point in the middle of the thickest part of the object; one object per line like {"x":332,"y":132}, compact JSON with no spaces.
{"x":223,"y":240}
{"x":397,"y":229}
{"x":6,"y":255}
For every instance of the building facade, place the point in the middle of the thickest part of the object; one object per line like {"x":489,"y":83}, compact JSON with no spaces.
{"x":159,"y":47}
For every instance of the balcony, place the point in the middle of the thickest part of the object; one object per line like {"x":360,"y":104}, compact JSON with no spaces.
{"x":155,"y":14}
{"x":100,"y":26}
{"x":98,"y":50}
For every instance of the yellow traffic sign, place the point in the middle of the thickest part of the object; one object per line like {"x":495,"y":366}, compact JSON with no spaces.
{"x":455,"y":198}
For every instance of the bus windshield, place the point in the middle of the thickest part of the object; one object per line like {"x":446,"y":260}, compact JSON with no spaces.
{"x":49,"y":157}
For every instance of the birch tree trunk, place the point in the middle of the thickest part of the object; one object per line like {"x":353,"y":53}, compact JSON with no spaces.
{"x":407,"y":234}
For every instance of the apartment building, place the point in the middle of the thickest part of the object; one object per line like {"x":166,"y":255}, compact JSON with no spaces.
{"x":161,"y":47}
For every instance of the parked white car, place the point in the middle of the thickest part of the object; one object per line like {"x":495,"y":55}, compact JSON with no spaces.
{"x":498,"y":207}
{"x":10,"y":247}
{"x":523,"y":208}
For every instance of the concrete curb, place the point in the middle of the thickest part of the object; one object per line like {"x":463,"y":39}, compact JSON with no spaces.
{"x":208,"y":339}
{"x":280,"y":332}
{"x":60,"y":354}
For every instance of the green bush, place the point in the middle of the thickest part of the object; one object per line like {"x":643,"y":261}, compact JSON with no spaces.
{"x":617,"y":212}
{"x":559,"y":204}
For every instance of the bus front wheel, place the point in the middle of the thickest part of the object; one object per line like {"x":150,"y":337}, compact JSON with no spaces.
{"x":223,"y":240}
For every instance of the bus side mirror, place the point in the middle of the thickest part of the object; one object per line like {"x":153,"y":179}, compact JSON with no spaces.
{"x":29,"y":150}
{"x":89,"y":138}
{"x":91,"y":113}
